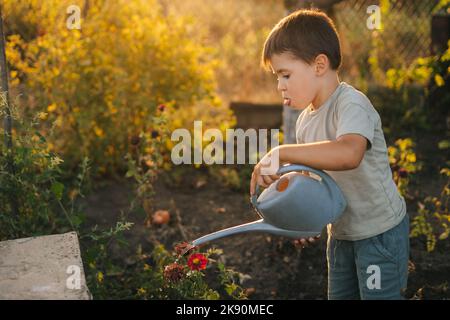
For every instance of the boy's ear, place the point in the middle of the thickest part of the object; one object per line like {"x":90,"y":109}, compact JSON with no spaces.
{"x":321,"y":64}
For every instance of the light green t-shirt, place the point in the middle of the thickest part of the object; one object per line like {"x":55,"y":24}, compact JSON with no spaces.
{"x":374,"y":204}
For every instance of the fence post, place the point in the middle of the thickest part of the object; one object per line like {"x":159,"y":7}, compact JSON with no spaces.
{"x":7,"y":122}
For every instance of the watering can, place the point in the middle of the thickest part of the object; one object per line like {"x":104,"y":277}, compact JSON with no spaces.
{"x":296,"y":206}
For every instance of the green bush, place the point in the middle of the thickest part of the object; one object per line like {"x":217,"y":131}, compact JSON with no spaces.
{"x":37,"y":187}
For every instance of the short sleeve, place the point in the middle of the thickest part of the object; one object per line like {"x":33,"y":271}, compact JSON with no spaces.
{"x":353,"y":118}
{"x":298,"y":128}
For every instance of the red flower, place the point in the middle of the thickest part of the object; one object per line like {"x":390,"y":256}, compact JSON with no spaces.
{"x":173,"y":272}
{"x":197,"y":261}
{"x":161,"y":107}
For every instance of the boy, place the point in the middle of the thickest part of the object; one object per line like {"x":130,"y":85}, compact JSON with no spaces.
{"x":340,"y":132}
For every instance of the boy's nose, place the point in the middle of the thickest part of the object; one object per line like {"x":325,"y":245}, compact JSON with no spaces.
{"x":281,"y":86}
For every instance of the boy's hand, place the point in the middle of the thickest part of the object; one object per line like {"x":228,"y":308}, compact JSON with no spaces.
{"x":303,"y":242}
{"x":263,"y":180}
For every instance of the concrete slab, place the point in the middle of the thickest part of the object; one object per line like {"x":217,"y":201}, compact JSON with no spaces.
{"x":45,"y":267}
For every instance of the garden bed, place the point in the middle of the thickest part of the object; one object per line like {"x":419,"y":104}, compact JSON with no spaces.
{"x":272,"y":267}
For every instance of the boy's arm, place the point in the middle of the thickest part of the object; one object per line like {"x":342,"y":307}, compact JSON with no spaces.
{"x":344,"y":153}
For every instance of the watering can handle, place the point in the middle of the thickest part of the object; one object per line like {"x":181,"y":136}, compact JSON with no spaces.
{"x":289,"y":168}
{"x":299,"y":167}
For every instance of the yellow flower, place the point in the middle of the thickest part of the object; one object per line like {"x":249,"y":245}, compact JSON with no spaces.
{"x":137,"y":121}
{"x":113,"y":110}
{"x":98,"y":131}
{"x":59,"y":121}
{"x":100,"y":277}
{"x":43,"y":115}
{"x":141,"y":291}
{"x":51,"y":107}
{"x":439,"y":80}
{"x":148,"y":150}
{"x":177,"y":123}
{"x":411,"y":157}
{"x":216,"y":102}
{"x":169,"y":144}
{"x":404,"y":143}
{"x":50,"y":146}
{"x":111,"y":106}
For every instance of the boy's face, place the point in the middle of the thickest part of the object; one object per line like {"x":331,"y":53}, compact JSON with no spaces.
{"x":297,"y":80}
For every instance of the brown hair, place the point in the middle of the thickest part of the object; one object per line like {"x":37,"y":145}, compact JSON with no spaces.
{"x":305,"y":34}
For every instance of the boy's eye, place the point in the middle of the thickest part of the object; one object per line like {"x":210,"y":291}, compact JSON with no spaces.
{"x":286,"y":76}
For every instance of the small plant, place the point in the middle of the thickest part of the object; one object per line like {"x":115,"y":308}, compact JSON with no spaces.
{"x":433,"y":219}
{"x":432,"y":74}
{"x":199,"y":275}
{"x":101,"y":270}
{"x":45,"y":199}
{"x":403,"y":163}
{"x":145,"y":159}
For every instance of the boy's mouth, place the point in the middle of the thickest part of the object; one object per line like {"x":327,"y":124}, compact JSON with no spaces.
{"x":286,"y":101}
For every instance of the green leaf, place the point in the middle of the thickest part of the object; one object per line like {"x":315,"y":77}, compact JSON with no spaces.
{"x":57,"y":188}
{"x":212,"y":295}
{"x":230,"y":288}
{"x":77,"y":220}
{"x":444,"y":235}
{"x":130,"y":173}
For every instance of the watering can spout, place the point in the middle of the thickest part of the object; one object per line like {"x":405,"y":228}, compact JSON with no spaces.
{"x":256,"y":226}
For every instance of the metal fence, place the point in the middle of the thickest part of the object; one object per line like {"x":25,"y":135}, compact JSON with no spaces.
{"x":405,"y":33}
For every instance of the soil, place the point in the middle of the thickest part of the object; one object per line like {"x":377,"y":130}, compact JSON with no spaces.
{"x":274,"y":267}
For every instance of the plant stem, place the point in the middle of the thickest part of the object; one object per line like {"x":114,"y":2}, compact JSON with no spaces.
{"x":67,"y":215}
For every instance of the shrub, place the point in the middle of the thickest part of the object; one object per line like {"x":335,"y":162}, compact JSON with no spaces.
{"x":45,"y":201}
{"x":102,"y":84}
{"x":403,"y":163}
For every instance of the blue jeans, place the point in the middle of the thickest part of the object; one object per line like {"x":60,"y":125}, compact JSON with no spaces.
{"x":372,"y":268}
